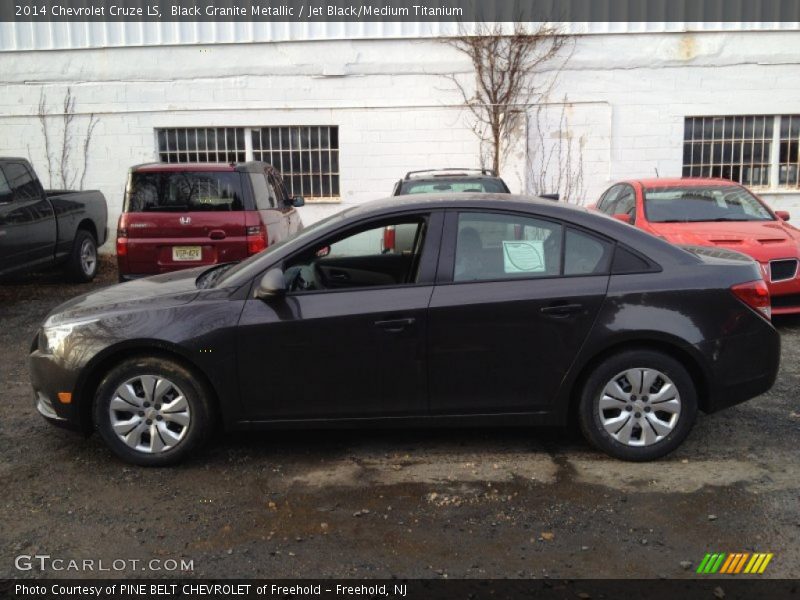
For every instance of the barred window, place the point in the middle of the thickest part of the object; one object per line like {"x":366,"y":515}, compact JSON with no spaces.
{"x":189,"y":144}
{"x":307,"y":157}
{"x":789,"y":167}
{"x":737,"y":148}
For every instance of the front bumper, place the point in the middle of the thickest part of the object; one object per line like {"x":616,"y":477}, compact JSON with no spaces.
{"x":49,"y":378}
{"x":785,"y":294}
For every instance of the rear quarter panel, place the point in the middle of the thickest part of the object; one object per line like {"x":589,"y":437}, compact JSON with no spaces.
{"x":690,"y":311}
{"x":73,"y":208}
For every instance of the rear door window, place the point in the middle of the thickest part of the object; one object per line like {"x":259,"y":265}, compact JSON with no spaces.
{"x":586,"y":254}
{"x":263,"y":192}
{"x":494,"y":246}
{"x":185,"y":191}
{"x":280,"y":189}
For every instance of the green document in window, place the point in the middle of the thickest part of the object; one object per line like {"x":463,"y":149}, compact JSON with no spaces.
{"x":523,"y":256}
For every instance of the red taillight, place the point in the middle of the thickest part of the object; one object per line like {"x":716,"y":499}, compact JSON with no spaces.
{"x":388,"y":238}
{"x":256,"y":239}
{"x":122,"y":242}
{"x":756,"y":295}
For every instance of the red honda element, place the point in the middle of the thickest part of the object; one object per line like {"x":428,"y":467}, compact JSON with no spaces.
{"x":185,"y":215}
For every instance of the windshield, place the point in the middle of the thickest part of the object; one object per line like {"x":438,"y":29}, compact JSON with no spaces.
{"x":184,"y":191}
{"x":299,"y":236}
{"x":691,"y":204}
{"x":491,"y":186}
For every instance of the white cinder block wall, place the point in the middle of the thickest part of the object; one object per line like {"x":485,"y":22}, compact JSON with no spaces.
{"x":628,"y":95}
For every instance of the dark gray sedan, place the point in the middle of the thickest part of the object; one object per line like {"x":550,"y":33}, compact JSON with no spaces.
{"x":504,"y":310}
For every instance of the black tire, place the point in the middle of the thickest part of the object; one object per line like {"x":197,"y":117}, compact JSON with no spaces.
{"x":197,"y":396}
{"x":589,"y":415}
{"x":78,"y":269}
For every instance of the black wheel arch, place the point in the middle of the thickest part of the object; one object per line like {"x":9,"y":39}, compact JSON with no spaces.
{"x":100,"y":365}
{"x":89,"y":226}
{"x":673,"y":347}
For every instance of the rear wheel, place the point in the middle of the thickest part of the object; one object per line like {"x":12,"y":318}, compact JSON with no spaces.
{"x":152,"y":412}
{"x":638,"y":405}
{"x":82,"y":262}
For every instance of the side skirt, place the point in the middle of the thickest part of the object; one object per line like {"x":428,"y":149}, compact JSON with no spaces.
{"x":489,"y":420}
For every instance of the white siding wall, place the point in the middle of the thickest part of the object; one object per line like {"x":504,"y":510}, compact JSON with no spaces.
{"x":394,"y":110}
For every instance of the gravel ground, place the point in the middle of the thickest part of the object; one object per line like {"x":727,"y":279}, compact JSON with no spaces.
{"x":433,"y":503}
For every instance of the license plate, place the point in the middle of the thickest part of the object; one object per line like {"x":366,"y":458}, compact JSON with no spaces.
{"x":184,"y":253}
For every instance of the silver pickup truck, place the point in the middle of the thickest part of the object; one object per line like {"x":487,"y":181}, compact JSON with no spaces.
{"x":39,"y":227}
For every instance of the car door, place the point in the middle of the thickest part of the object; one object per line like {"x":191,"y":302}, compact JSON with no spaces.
{"x":27,"y":222}
{"x":515,"y":298}
{"x":348,"y":338}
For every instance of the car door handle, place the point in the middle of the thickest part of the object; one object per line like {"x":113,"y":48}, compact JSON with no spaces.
{"x":216,"y":234}
{"x":395,"y":325}
{"x":561,"y":310}
{"x":339,"y":276}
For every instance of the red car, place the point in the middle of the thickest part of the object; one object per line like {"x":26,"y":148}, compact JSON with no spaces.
{"x":178,"y":216}
{"x":714,"y":212}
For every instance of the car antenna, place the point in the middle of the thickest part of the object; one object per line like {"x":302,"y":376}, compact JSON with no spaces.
{"x":656,"y":170}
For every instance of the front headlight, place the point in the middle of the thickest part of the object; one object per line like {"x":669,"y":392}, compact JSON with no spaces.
{"x":53,"y":337}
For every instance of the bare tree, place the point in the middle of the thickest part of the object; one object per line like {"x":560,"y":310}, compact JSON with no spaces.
{"x":509,"y":76}
{"x":554,"y":162}
{"x":61,"y":168}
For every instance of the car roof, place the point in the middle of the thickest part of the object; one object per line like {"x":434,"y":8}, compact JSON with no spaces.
{"x":488,"y":201}
{"x":447,"y":177}
{"x":248,"y":167}
{"x":681,"y":181}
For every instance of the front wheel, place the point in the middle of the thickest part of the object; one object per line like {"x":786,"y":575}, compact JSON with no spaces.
{"x":638,"y":405}
{"x":152,"y":412}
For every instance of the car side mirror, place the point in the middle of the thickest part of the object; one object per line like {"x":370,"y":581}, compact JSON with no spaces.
{"x":298,"y":201}
{"x":623,"y":217}
{"x":783,"y":215}
{"x":272,"y":285}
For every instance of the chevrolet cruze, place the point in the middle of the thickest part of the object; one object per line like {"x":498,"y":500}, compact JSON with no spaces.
{"x":503,"y":310}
